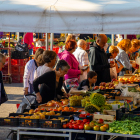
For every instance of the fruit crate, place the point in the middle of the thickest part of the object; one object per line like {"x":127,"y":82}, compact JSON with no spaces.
{"x":87,"y":117}
{"x":9,"y":122}
{"x":54,"y":124}
{"x":106,"y":118}
{"x":18,"y":115}
{"x":110,"y":93}
{"x":28,"y":122}
{"x":68,"y":118}
{"x":70,"y":113}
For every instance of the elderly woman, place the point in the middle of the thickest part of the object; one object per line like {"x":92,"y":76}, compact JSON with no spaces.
{"x":53,"y":81}
{"x":29,"y":71}
{"x":123,"y":58}
{"x":74,"y":72}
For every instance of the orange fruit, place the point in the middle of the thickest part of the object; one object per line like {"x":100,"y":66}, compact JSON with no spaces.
{"x":60,"y":108}
{"x":66,"y":108}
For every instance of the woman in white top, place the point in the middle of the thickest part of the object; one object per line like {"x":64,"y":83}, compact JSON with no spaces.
{"x":29,"y":70}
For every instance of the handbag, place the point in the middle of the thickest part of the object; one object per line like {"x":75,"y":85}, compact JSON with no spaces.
{"x":22,"y":47}
{"x":71,"y":83}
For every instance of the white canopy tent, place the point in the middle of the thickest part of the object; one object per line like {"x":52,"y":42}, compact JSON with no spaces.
{"x":70,"y":16}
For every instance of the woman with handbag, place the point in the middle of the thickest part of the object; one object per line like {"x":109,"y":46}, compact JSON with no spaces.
{"x":72,"y":77}
{"x":3,"y":95}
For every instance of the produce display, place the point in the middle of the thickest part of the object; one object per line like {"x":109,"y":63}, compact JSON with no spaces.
{"x":125,"y":127}
{"x":130,"y":80}
{"x":109,"y":85}
{"x":75,"y":100}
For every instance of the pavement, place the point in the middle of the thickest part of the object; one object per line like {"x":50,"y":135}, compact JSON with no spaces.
{"x":15,"y":95}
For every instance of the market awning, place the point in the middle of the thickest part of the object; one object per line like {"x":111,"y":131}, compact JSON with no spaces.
{"x":70,"y":16}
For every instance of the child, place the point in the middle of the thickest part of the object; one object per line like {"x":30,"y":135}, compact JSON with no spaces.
{"x":89,"y":83}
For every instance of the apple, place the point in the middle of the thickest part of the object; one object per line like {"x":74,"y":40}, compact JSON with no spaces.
{"x":106,"y":126}
{"x":91,"y":124}
{"x":107,"y":85}
{"x":87,"y":127}
{"x":96,"y":128}
{"x":100,"y":121}
{"x":102,"y":128}
{"x":96,"y":87}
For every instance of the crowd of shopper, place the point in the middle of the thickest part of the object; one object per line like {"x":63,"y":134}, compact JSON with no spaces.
{"x":75,"y":68}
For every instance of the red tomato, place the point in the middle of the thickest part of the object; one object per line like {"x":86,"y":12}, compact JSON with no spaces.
{"x":79,"y":121}
{"x":67,"y":125}
{"x":85,"y":120}
{"x":88,"y":114}
{"x":82,"y":115}
{"x":81,"y":126}
{"x":82,"y":123}
{"x":74,"y":122}
{"x":70,"y":123}
{"x":100,"y":121}
{"x":70,"y":126}
{"x":64,"y":126}
{"x":75,"y":127}
{"x":71,"y":120}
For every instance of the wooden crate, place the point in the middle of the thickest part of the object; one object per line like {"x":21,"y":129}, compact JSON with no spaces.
{"x":106,"y":118}
{"x":123,"y":98}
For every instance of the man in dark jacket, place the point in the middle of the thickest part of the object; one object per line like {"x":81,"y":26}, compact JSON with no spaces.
{"x":3,"y":96}
{"x":99,"y":60}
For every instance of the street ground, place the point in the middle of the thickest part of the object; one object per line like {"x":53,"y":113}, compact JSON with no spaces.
{"x":15,"y":95}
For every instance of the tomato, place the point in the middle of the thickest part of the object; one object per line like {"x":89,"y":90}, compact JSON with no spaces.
{"x":64,"y":126}
{"x":75,"y":126}
{"x":82,"y":115}
{"x":102,"y":128}
{"x":85,"y":120}
{"x":79,"y":121}
{"x":96,"y":128}
{"x":88,"y":114}
{"x":81,"y":126}
{"x":70,"y":123}
{"x":67,"y":125}
{"x":100,"y":121}
{"x":82,"y":123}
{"x":74,"y":122}
{"x":87,"y":127}
{"x":70,"y":126}
{"x":71,"y":120}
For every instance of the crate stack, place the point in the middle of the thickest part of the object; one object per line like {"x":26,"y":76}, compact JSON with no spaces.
{"x":17,"y":69}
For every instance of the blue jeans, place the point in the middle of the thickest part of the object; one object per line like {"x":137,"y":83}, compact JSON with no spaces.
{"x":30,"y":52}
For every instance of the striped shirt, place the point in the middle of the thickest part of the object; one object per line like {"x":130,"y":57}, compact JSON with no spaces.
{"x":81,"y":56}
{"x":29,"y":74}
{"x":124,"y":59}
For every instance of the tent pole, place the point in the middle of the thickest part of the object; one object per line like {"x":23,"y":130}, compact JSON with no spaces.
{"x":17,"y":33}
{"x":47,"y":41}
{"x":112,"y":42}
{"x":52,"y":37}
{"x":125,"y":36}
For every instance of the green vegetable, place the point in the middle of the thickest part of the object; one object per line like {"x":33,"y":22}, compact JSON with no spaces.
{"x":125,"y":127}
{"x":91,"y":109}
{"x":97,"y":99}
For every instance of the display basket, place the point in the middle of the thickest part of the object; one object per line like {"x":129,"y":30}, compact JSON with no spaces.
{"x":18,"y":114}
{"x":9,"y":122}
{"x":28,"y":122}
{"x":70,"y":113}
{"x":63,"y":117}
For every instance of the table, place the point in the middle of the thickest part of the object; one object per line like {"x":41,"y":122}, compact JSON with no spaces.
{"x":111,"y":134}
{"x":45,"y":132}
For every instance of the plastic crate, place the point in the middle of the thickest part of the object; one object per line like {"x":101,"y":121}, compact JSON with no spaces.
{"x":56,"y":124}
{"x":123,"y":113}
{"x":15,"y":78}
{"x":28,"y":122}
{"x":62,"y":117}
{"x":5,"y":70}
{"x":9,"y":121}
{"x":70,"y":113}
